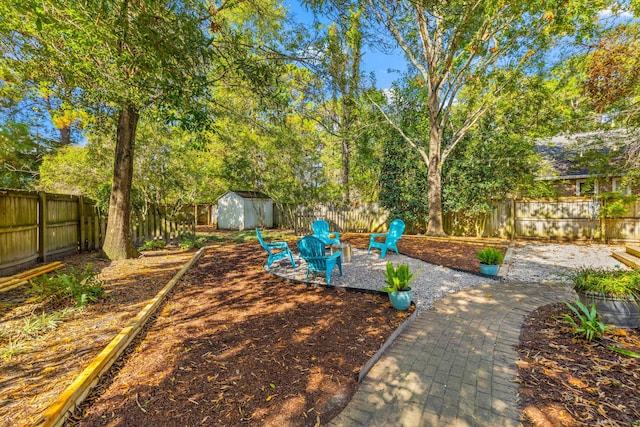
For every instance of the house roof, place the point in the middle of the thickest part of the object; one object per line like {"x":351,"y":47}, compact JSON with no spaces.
{"x":247,"y":194}
{"x":561,"y":154}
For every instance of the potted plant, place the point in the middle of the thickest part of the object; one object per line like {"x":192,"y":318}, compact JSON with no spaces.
{"x":615,"y":293}
{"x":490,"y":260}
{"x":398,"y":280}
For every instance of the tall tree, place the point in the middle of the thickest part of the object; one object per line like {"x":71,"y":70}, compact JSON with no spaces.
{"x":339,"y":66}
{"x":125,"y":56}
{"x":466,"y":56}
{"x":344,"y":46}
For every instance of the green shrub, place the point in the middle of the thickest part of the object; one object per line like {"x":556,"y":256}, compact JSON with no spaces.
{"x":490,"y":256}
{"x":191,"y":241}
{"x":153,"y":245}
{"x":617,"y":283}
{"x":80,"y":286}
{"x":590,"y":327}
{"x":397,"y":279}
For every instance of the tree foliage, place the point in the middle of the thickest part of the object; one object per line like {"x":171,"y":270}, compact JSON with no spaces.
{"x":613,"y":72}
{"x":466,"y":57}
{"x":21,"y":153}
{"x":612,"y":85}
{"x":124,"y":56}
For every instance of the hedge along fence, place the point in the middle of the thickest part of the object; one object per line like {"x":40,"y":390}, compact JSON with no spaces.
{"x":38,"y":226}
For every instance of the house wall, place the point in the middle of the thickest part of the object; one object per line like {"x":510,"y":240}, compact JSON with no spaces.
{"x":231,"y":212}
{"x":567,"y":187}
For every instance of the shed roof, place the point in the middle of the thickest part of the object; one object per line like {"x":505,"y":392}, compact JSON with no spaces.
{"x":247,"y":194}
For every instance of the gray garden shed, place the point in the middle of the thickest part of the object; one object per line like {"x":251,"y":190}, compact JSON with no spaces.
{"x":243,"y":210}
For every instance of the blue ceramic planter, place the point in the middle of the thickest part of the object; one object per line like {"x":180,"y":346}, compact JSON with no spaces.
{"x":401,"y":300}
{"x":489,"y":269}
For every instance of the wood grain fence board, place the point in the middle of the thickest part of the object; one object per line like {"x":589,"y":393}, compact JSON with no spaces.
{"x":18,"y":232}
{"x":562,"y":218}
{"x":37,"y":225}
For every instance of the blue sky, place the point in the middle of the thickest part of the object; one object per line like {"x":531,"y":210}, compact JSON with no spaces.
{"x":382,"y":64}
{"x":373,"y":60}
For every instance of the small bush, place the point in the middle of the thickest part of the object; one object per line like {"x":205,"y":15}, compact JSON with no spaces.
{"x":153,"y":245}
{"x":13,"y":348}
{"x":590,"y":327}
{"x":80,"y":286}
{"x":191,"y":241}
{"x":618,"y":283}
{"x":490,"y":256}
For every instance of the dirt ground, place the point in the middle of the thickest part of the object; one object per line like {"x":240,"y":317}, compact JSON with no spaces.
{"x":232,"y":345}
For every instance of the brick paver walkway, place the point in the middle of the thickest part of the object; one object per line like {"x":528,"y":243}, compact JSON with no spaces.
{"x":455,"y":364}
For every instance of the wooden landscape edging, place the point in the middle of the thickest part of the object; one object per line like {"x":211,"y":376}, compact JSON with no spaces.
{"x":57,"y":413}
{"x":8,"y":283}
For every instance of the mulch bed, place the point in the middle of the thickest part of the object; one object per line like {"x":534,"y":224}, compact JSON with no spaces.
{"x":31,"y":380}
{"x":234,"y":345}
{"x":567,"y":381}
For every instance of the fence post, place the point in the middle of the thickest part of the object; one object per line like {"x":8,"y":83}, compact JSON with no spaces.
{"x":513,"y":219}
{"x":42,"y":226}
{"x":81,"y":226}
{"x":165,"y":229}
{"x":154,"y":223}
{"x":96,"y":233}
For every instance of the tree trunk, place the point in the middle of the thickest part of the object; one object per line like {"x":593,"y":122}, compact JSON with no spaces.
{"x":346,"y":194}
{"x":118,"y":243}
{"x":65,"y":135}
{"x":434,"y":179}
{"x":434,"y":195}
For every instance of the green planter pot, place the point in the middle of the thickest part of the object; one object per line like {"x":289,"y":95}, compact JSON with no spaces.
{"x":401,"y":300}
{"x":622,"y":313}
{"x":489,"y":269}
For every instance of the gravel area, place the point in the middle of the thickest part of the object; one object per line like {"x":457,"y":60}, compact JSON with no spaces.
{"x":551,"y":262}
{"x":532,"y":262}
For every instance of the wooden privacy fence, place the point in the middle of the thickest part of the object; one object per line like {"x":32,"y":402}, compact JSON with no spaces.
{"x":159,"y":223}
{"x":37,"y":226}
{"x":569,"y":218}
{"x":359,"y":218}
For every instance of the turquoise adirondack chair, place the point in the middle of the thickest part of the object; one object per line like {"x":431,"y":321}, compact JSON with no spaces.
{"x":276,"y":250}
{"x":313,"y":251}
{"x":396,"y":228}
{"x":321,"y":231}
